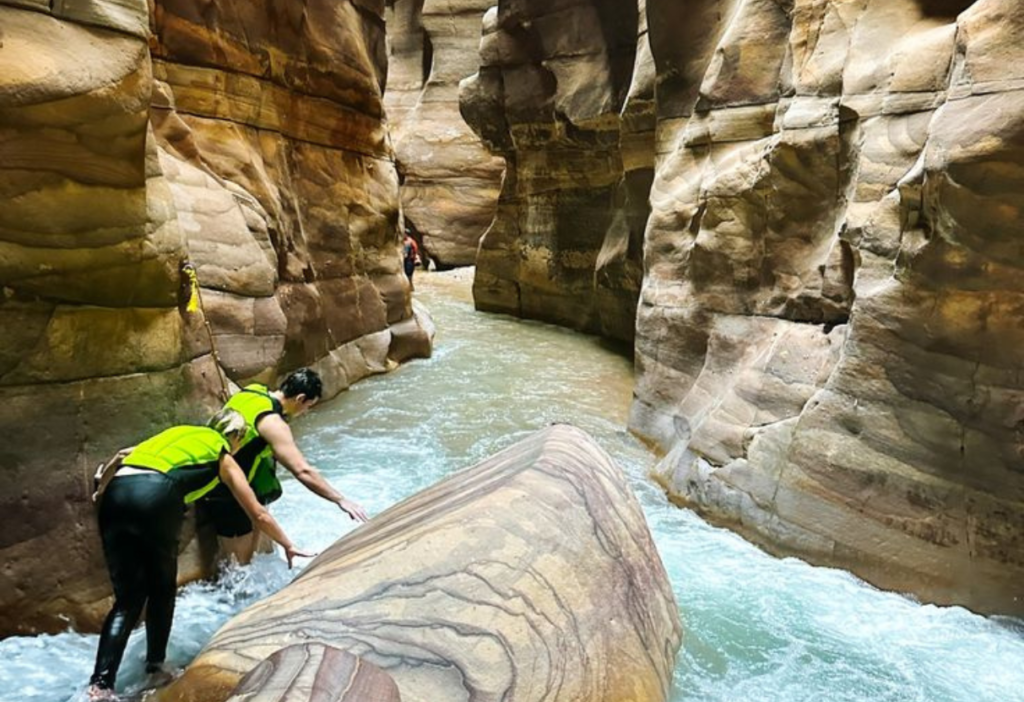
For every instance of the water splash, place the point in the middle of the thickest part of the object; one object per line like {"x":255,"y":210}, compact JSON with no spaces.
{"x":756,"y":628}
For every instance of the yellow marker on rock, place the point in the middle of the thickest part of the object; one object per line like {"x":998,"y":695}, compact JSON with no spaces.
{"x":193,"y":295}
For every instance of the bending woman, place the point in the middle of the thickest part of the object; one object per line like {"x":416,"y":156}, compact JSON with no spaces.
{"x":141,"y":515}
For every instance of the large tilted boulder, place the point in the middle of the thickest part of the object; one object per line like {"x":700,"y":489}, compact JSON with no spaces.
{"x":531,"y":576}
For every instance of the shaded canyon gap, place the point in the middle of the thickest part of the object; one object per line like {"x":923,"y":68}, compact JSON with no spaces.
{"x":449,"y":180}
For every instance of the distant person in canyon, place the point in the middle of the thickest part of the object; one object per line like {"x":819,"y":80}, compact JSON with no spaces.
{"x":269,"y":439}
{"x":410,"y":256}
{"x":141,"y":513}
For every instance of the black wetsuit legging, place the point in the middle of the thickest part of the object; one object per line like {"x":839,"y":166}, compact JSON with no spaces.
{"x":140,"y":523}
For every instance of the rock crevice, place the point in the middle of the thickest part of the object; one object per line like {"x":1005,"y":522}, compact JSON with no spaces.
{"x":450,"y":182}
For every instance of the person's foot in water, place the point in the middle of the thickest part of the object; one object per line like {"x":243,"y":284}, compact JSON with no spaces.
{"x":95,"y":693}
{"x":158,"y":675}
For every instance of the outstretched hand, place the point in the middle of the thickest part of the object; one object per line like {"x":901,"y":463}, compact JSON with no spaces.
{"x":291,"y":553}
{"x":353,"y":510}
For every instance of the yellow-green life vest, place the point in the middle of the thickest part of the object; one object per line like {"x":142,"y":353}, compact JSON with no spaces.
{"x":255,"y":456}
{"x":189,"y":455}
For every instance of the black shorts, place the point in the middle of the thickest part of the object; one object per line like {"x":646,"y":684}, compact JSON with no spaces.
{"x":227,"y":516}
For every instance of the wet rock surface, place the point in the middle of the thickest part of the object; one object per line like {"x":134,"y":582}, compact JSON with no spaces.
{"x":529,"y":576}
{"x":247,"y":140}
{"x":313,"y":673}
{"x":827,"y":334}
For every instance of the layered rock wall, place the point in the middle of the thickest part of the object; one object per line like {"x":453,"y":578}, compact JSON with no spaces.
{"x":829,"y":330}
{"x":828,"y":335}
{"x":565,"y":244}
{"x":450,"y":181}
{"x":272,"y":117}
{"x":247,"y":140}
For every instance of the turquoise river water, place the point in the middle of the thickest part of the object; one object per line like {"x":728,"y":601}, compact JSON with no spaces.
{"x":757,"y":628}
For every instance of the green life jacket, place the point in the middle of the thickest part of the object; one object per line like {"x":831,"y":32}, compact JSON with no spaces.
{"x":189,"y":455}
{"x":255,"y":456}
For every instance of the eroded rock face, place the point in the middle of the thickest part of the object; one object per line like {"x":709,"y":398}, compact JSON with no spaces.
{"x":94,"y":351}
{"x":271,"y":119}
{"x":828,"y":335}
{"x":450,"y":180}
{"x":530,"y":576}
{"x":565,"y":245}
{"x":314,"y":673}
{"x":247,"y":140}
{"x":829,"y":331}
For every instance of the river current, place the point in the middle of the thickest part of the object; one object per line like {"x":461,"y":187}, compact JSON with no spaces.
{"x":756,"y":628}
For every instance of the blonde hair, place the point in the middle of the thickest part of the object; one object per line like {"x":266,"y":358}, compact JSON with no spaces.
{"x":230,"y":423}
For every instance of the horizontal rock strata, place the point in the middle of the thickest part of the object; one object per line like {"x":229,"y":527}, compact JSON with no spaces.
{"x":827,"y":333}
{"x":270,"y":116}
{"x":94,"y":350}
{"x":827,"y":336}
{"x":565,"y":245}
{"x":247,"y":140}
{"x":531,"y":576}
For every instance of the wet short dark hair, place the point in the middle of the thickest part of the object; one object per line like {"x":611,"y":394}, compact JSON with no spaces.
{"x":304,"y":381}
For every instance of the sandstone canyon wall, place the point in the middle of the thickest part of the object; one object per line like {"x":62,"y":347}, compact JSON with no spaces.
{"x":553,"y":95}
{"x":450,"y":181}
{"x":246,"y":139}
{"x":829,"y":331}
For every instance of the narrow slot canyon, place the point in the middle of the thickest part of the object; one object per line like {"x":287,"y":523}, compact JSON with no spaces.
{"x":673,"y":349}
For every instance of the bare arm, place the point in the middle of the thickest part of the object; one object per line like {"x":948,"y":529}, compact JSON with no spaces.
{"x":278,"y":434}
{"x":232,"y":476}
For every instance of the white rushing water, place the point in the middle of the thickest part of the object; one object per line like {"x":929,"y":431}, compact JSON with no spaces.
{"x":757,"y":629}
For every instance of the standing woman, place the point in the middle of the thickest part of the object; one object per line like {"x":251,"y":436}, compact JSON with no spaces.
{"x":410,"y":256}
{"x":141,"y":515}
